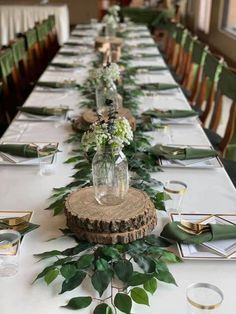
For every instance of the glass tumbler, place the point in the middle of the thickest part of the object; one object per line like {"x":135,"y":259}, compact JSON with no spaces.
{"x":9,"y":252}
{"x":204,"y":298}
{"x":173,"y":195}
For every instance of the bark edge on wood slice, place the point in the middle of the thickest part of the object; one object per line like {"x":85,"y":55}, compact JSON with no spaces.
{"x":89,"y":116}
{"x":129,"y":221}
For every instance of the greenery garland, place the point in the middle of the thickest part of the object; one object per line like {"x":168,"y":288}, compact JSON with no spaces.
{"x":111,"y":265}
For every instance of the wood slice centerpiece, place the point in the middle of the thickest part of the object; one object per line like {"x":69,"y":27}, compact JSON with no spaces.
{"x":129,"y":221}
{"x":88,"y":117}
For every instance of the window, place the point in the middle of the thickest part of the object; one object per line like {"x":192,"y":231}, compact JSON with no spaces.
{"x":204,"y":15}
{"x":229,"y":17}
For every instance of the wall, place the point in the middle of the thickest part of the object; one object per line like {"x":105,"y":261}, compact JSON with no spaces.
{"x":81,"y":11}
{"x":219,"y":40}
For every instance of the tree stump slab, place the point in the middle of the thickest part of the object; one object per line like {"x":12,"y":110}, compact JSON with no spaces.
{"x":89,"y":116}
{"x":129,"y":221}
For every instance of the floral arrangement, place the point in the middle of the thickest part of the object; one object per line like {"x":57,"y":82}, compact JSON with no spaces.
{"x":113,"y":10}
{"x":114,"y":133}
{"x":105,"y":74}
{"x":110,"y":20}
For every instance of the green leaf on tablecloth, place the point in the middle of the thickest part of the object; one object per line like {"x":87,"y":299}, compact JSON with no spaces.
{"x":48,"y":254}
{"x":150,"y":285}
{"x":168,"y":256}
{"x":123,"y":302}
{"x":108,"y":252}
{"x":82,"y":246}
{"x":100,"y":280}
{"x":73,"y":282}
{"x":137,"y":278}
{"x":78,"y":303}
{"x":165,"y":276}
{"x":123,"y":270}
{"x":68,"y":271}
{"x":139,"y":295}
{"x":51,"y":275}
{"x":145,"y":262}
{"x":159,"y":200}
{"x":103,"y":308}
{"x":101,"y":264}
{"x":85,"y":261}
{"x":157,"y":241}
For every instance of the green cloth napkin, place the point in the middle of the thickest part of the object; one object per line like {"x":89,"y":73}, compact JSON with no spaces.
{"x":158,"y":86}
{"x":66,"y":65}
{"x":147,"y":55}
{"x":179,"y":153}
{"x":71,"y":43}
{"x":151,"y":68}
{"x":217,"y":232}
{"x":69,"y":53}
{"x":57,"y":84}
{"x":28,"y":150}
{"x":170,"y":114}
{"x":44,"y":111}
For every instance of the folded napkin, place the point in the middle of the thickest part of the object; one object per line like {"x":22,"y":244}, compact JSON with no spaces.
{"x":66,"y":65}
{"x":28,"y":150}
{"x":151,"y":68}
{"x":55,"y":85}
{"x":216,"y":232}
{"x":71,"y":43}
{"x":170,"y":114}
{"x":69,"y":53}
{"x":44,"y":111}
{"x":148,"y":55}
{"x":170,"y":152}
{"x":158,"y":86}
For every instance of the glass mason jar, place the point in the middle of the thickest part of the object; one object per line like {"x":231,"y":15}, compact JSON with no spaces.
{"x":110,"y":30}
{"x":103,"y":92}
{"x":110,"y":176}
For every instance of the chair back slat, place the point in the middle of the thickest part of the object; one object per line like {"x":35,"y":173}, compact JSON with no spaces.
{"x":199,"y":53}
{"x":18,"y":50}
{"x":42,"y":31}
{"x":227,"y":83}
{"x":6,"y":63}
{"x":31,"y":38}
{"x":212,"y":67}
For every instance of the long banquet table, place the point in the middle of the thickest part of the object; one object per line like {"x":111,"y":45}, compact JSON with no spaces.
{"x":23,"y":188}
{"x":18,"y":18}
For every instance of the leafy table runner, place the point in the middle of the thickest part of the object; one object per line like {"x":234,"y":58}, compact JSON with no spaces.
{"x":170,"y":114}
{"x":44,"y":111}
{"x":180,"y":153}
{"x":158,"y":86}
{"x":28,"y":150}
{"x":216,"y":232}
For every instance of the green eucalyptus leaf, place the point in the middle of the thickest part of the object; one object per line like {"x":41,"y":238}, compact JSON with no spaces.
{"x":165,"y":276}
{"x":170,"y":257}
{"x":51,"y":275}
{"x":139,"y":295}
{"x":68,"y":271}
{"x":85,"y":261}
{"x":100,"y":280}
{"x":157,"y":241}
{"x":48,"y":254}
{"x":73,"y":282}
{"x":78,"y":303}
{"x":137,"y":278}
{"x":103,"y":308}
{"x":82,"y":246}
{"x":145,"y":262}
{"x":123,"y":270}
{"x":110,"y":252}
{"x":123,"y":302}
{"x":150,"y":285}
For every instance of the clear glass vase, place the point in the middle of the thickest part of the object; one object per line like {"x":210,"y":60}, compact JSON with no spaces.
{"x":104,"y":92}
{"x":110,"y":176}
{"x":110,"y":30}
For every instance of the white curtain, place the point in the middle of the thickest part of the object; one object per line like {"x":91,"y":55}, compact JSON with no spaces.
{"x":204,"y":15}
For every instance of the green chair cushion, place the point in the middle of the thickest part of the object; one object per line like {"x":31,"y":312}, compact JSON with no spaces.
{"x":6,"y":63}
{"x":227,"y":83}
{"x":18,"y":50}
{"x":212,"y":67}
{"x":31,"y":38}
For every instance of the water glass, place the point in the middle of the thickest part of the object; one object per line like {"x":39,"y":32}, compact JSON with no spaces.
{"x":46,"y":164}
{"x":9,"y":252}
{"x":204,"y":298}
{"x":173,"y":195}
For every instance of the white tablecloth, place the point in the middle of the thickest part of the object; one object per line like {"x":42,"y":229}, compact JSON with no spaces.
{"x":19,"y":18}
{"x":22,"y":188}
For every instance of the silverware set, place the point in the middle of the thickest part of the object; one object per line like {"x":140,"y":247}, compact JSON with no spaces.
{"x":193,"y":228}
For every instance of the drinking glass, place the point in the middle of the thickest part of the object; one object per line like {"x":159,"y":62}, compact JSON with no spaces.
{"x":203,"y":298}
{"x":46,"y":164}
{"x":9,"y":252}
{"x":173,"y":195}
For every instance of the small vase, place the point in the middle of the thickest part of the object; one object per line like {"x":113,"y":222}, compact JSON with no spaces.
{"x":104,"y":92}
{"x":110,"y":176}
{"x":110,"y":30}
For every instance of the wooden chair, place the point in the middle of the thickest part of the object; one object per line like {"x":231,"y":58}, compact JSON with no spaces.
{"x":3,"y":117}
{"x":170,"y":41}
{"x":179,"y":41}
{"x":226,"y":145}
{"x":11,"y":93}
{"x":206,"y":94}
{"x":193,"y":73}
{"x":52,"y":34}
{"x":43,"y":43}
